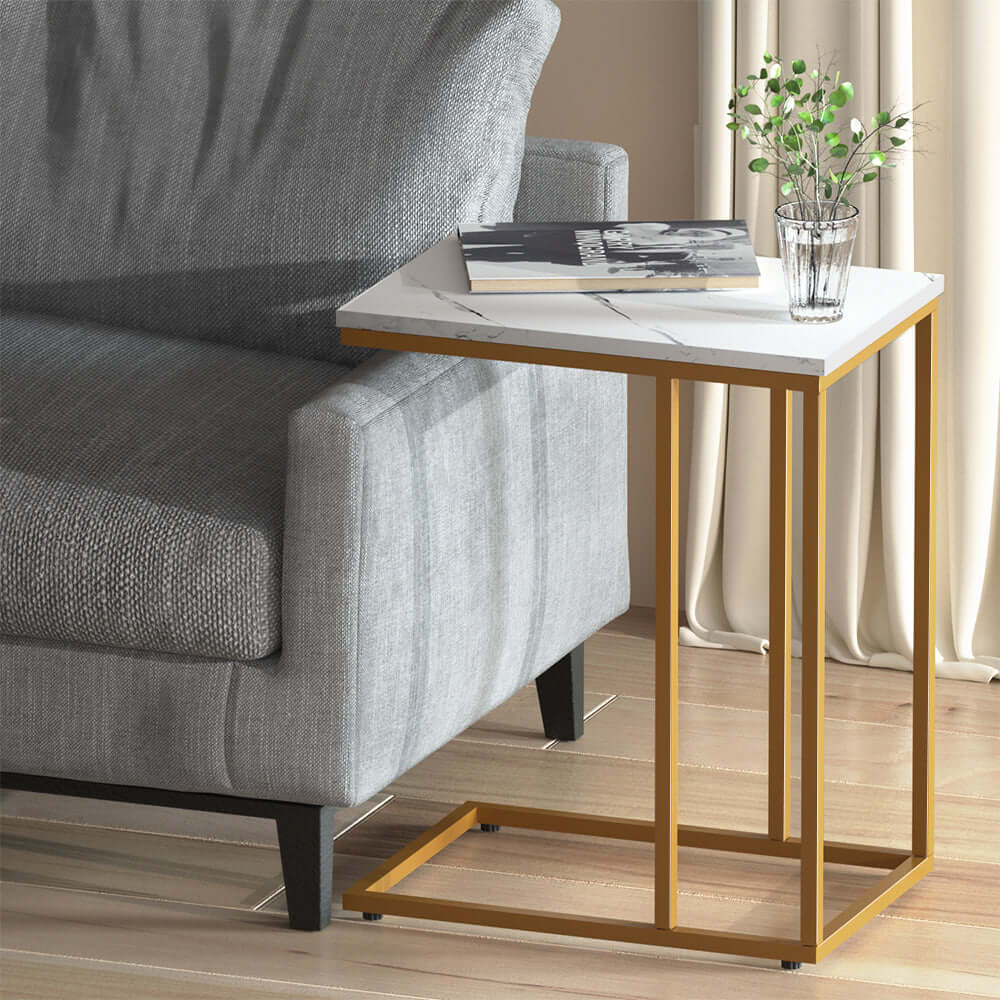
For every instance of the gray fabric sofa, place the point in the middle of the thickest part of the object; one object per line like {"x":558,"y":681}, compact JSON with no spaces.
{"x":244,"y":567}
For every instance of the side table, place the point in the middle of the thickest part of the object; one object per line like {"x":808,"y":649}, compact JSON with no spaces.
{"x":740,"y":337}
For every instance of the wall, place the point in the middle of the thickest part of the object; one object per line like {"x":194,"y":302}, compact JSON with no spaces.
{"x":626,"y":71}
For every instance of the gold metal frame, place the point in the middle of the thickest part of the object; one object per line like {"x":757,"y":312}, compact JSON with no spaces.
{"x":817,"y":937}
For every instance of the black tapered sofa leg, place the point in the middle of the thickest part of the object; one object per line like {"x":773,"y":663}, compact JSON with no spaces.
{"x":560,"y":696}
{"x":305,"y":837}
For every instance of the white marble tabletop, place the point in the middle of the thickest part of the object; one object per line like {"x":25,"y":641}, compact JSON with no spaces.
{"x":737,"y":328}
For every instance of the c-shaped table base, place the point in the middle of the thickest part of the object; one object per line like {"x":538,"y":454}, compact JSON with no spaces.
{"x":817,"y":937}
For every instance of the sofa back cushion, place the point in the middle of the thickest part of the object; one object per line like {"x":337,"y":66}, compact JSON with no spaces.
{"x":235,"y":170}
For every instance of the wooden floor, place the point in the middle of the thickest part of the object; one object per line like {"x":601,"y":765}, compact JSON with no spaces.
{"x":114,"y":902}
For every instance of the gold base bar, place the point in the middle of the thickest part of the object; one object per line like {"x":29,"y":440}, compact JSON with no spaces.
{"x":371,"y":893}
{"x":873,"y":902}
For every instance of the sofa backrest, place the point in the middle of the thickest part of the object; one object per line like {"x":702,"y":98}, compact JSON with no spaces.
{"x":235,"y":170}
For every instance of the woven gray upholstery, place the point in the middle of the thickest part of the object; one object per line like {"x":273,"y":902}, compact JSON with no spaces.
{"x":453,"y":528}
{"x":337,"y":716}
{"x":479,"y":513}
{"x":142,"y":485}
{"x":234,"y":171}
{"x":561,"y":176}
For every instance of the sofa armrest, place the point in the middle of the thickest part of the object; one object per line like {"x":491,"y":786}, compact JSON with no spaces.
{"x":453,"y":527}
{"x":563,"y":180}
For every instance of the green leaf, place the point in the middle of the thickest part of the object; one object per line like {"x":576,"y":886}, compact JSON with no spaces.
{"x":793,"y":86}
{"x":816,"y":126}
{"x":759,"y":165}
{"x":870,"y":176}
{"x":815,"y":74}
{"x":842,"y":94}
{"x":767,"y":128}
{"x":742,"y":91}
{"x":794,"y":169}
{"x":839,"y":151}
{"x":792,"y":142}
{"x":833,"y":138}
{"x":827,"y":189}
{"x":818,"y":96}
{"x":731,"y":104}
{"x":900,"y":122}
{"x":732,"y":126}
{"x":882,"y":118}
{"x":745,"y":132}
{"x":896,"y":141}
{"x":806,"y":116}
{"x":768,"y":57}
{"x":877,"y":157}
{"x":753,"y":109}
{"x":774,"y":85}
{"x":826,"y":117}
{"x":787,"y":188}
{"x":799,"y":66}
{"x":774,"y":100}
{"x":763,"y":74}
{"x":777,"y":121}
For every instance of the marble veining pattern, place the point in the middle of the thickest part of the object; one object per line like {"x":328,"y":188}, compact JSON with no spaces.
{"x":748,"y":328}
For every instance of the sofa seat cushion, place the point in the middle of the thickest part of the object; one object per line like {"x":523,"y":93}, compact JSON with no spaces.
{"x":142,"y":487}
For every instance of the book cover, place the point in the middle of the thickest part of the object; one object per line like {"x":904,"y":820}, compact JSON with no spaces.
{"x":608,"y":256}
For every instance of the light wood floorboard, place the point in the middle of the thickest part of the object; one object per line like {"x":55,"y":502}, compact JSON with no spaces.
{"x":614,"y":786}
{"x":928,"y":954}
{"x":391,"y":958}
{"x":104,"y":900}
{"x":619,"y":659}
{"x":862,"y":753}
{"x":36,"y":977}
{"x":137,"y":864}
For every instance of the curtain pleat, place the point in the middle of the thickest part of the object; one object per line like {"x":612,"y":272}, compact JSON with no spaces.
{"x":870,"y":434}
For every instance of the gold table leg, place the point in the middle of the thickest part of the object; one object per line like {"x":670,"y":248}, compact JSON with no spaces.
{"x":924,"y":585}
{"x":779,"y":705}
{"x":665,"y":792}
{"x":813,"y":664}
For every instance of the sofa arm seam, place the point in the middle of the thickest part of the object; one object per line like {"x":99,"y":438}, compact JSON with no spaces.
{"x":616,"y":158}
{"x":418,"y":391}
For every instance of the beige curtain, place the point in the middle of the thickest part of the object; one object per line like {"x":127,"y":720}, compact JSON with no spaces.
{"x":946,"y":198}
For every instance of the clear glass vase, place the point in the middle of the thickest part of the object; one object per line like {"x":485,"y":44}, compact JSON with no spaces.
{"x":816,"y":240}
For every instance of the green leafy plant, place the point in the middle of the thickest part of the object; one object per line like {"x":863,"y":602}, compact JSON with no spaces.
{"x":796,"y":121}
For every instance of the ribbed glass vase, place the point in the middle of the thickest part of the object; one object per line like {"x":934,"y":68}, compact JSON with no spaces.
{"x":816,"y":240}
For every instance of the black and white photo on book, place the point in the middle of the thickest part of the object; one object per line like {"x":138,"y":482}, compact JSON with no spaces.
{"x":608,"y":256}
